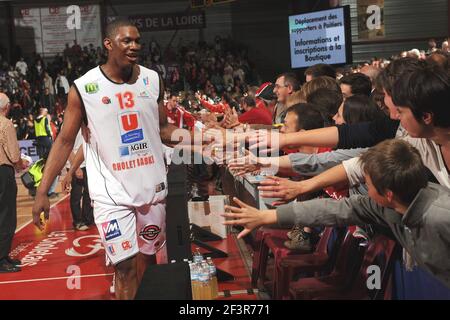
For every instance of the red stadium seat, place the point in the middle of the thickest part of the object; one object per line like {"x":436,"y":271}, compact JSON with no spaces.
{"x":318,"y":261}
{"x":261,"y":252}
{"x":273,"y":240}
{"x":344,"y":282}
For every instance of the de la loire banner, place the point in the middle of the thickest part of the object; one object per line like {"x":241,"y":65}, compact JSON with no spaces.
{"x":170,"y":21}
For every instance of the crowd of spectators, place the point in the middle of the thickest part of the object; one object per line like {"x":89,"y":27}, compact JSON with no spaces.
{"x":34,"y":83}
{"x":378,"y":107}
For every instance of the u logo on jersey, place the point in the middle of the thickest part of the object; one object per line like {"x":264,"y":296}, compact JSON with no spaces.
{"x":130,"y":127}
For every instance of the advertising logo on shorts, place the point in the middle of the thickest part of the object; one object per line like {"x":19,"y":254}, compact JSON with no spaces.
{"x":111,"y":230}
{"x":130,"y":127}
{"x":150,"y":232}
{"x":111,"y":249}
{"x":126,"y":245}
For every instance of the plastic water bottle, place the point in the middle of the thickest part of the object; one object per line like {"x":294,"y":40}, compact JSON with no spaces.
{"x":198,"y":258}
{"x":205,"y":281}
{"x":194,"y":281}
{"x":213,"y":275}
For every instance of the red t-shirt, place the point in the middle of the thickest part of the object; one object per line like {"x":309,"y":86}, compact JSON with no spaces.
{"x":256,"y":115}
{"x":270,"y":107}
{"x":184,"y":117}
{"x":179,"y":117}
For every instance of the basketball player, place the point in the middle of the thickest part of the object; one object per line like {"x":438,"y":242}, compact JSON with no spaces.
{"x":121,"y":104}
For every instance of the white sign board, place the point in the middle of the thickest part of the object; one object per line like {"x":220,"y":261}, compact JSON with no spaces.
{"x":318,"y":37}
{"x":46,"y":30}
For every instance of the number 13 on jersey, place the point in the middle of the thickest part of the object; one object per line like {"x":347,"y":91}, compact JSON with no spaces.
{"x":126,"y":100}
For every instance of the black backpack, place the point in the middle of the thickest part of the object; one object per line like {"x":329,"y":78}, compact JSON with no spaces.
{"x":27,"y":180}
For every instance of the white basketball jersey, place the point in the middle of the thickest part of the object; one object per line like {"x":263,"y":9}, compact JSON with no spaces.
{"x":124,"y":158}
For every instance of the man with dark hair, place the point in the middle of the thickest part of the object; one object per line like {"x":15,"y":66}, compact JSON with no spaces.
{"x":355,"y":83}
{"x":113,"y":27}
{"x":285,"y":85}
{"x":253,"y":114}
{"x":304,"y":117}
{"x":290,"y":79}
{"x":399,"y":199}
{"x":121,"y":103}
{"x":422,"y":99}
{"x":178,"y":115}
{"x":318,"y":70}
{"x":395,"y":69}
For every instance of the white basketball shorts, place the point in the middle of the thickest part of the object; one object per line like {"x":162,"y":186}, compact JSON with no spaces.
{"x":125,"y":231}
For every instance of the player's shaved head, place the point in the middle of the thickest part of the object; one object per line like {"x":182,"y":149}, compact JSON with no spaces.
{"x":113,"y":27}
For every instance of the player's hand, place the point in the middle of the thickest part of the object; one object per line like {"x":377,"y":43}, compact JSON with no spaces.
{"x":41,"y":203}
{"x":66,"y":183}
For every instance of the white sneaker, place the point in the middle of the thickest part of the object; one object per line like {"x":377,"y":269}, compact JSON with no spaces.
{"x":112,"y":288}
{"x":81,"y":227}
